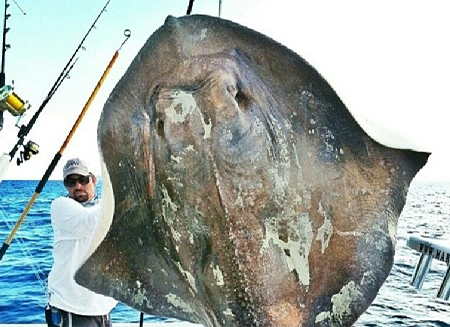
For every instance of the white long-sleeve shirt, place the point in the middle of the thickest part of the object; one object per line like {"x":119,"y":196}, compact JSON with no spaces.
{"x":73,"y":226}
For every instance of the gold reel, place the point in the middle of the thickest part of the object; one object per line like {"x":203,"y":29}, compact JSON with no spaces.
{"x":11,"y":102}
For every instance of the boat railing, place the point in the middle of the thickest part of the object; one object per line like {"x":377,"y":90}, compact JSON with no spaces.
{"x":430,"y":249}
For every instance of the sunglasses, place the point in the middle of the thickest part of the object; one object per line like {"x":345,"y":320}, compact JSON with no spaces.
{"x":72,"y":181}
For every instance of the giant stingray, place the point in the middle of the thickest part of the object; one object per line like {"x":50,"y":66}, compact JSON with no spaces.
{"x":238,"y":188}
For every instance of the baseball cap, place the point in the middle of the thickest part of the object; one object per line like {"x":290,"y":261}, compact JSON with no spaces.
{"x":75,"y":166}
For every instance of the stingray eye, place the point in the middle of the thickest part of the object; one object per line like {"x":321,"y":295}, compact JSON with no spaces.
{"x":158,"y":103}
{"x":235,"y":90}
{"x":160,"y":127}
{"x":242,"y":100}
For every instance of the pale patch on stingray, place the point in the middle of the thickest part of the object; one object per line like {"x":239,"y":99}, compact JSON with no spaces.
{"x":218,"y":275}
{"x":280,"y":173}
{"x":199,"y":35}
{"x":349,"y":234}
{"x":207,"y":128}
{"x":178,"y":161}
{"x":175,"y":159}
{"x":178,"y":303}
{"x":188,"y":276}
{"x":106,"y":213}
{"x":140,"y":296}
{"x":341,"y":304}
{"x":228,"y":312}
{"x":169,"y":205}
{"x":298,"y":250}
{"x":181,"y":106}
{"x":203,"y":33}
{"x":325,"y":231}
{"x":184,"y":104}
{"x":279,"y":185}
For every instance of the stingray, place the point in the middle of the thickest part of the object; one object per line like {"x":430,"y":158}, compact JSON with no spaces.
{"x":238,"y":188}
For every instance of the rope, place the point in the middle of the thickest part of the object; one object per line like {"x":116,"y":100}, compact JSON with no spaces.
{"x":191,"y":3}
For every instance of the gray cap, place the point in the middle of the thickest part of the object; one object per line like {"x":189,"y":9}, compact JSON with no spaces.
{"x":75,"y":166}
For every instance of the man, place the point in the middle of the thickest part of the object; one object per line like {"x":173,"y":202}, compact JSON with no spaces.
{"x":74,"y":219}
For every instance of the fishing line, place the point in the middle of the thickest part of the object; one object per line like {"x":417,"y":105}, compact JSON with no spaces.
{"x":58,"y":155}
{"x":34,"y":4}
{"x":23,"y":12}
{"x":41,"y":276}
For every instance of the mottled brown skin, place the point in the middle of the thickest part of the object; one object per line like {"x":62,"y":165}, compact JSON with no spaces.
{"x":251,"y":196}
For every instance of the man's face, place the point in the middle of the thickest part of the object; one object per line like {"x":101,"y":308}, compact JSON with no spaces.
{"x":81,"y":188}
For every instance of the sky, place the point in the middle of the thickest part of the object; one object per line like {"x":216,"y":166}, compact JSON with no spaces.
{"x":389,"y":62}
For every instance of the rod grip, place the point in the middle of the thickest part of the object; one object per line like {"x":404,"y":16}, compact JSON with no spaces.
{"x":3,"y":250}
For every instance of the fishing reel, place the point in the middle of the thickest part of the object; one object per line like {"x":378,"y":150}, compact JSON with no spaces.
{"x":11,"y":102}
{"x":29,"y":149}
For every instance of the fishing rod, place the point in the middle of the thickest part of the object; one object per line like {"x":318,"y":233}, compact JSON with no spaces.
{"x":58,"y":155}
{"x":16,"y":106}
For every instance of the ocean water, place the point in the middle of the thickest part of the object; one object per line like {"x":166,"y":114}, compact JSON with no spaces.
{"x":24,"y":268}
